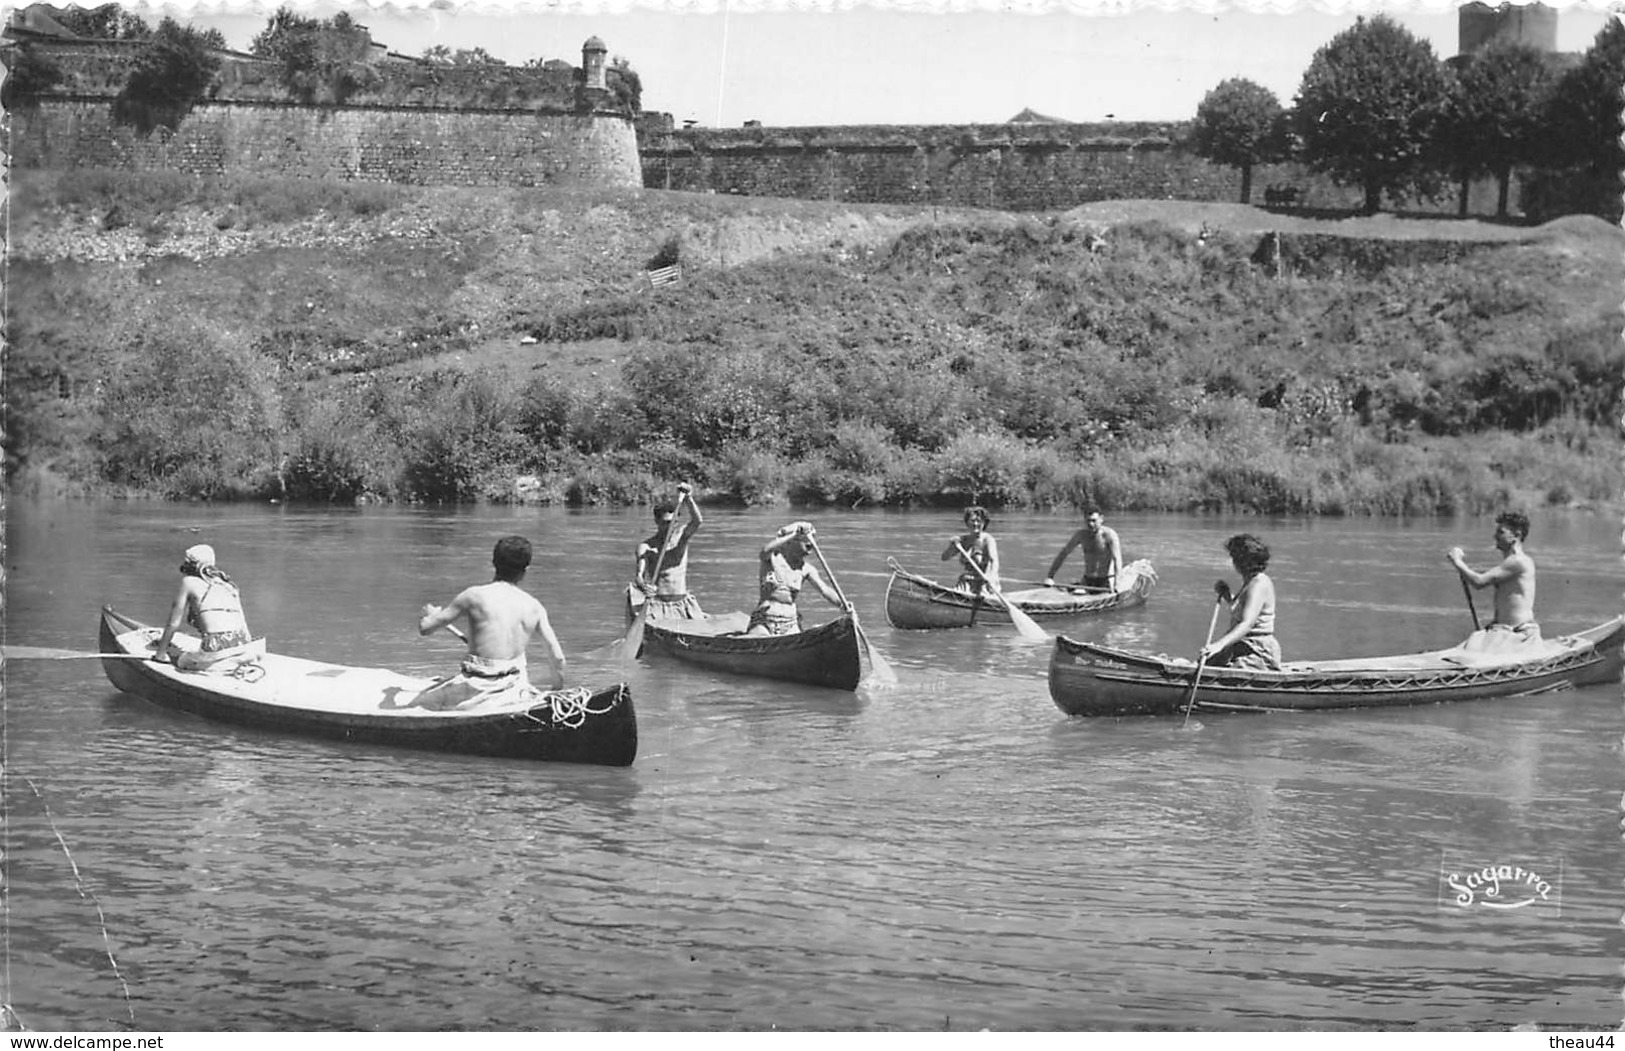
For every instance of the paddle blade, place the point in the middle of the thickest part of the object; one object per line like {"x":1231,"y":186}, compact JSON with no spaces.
{"x":880,"y":672}
{"x":1025,"y":625}
{"x":632,"y":641}
{"x":605,"y":652}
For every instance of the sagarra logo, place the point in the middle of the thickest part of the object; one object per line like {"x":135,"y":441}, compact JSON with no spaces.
{"x":1501,"y":887}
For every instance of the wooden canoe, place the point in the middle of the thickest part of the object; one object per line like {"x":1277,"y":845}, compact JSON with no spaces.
{"x":914,"y":601}
{"x":826,"y":655}
{"x":1090,"y":679}
{"x":373,"y":705}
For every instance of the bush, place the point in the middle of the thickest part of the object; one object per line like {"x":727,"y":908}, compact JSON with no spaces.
{"x":755,"y":477}
{"x":338,"y":455}
{"x":464,"y":444}
{"x":186,"y":410}
{"x":170,"y":75}
{"x":622,"y":319}
{"x":983,"y":468}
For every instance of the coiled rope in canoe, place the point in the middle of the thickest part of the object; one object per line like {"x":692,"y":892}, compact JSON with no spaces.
{"x":570,"y":707}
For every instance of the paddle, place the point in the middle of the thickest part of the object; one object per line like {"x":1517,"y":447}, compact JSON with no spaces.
{"x":880,"y":673}
{"x":1201,"y":660}
{"x":1071,"y":589}
{"x":47,"y":653}
{"x":1468,"y":591}
{"x":632,"y":641}
{"x":1024,"y":624}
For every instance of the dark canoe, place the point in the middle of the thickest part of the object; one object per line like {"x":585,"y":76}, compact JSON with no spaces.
{"x":1089,"y":679}
{"x":374,"y":705}
{"x":826,"y":655}
{"x":914,"y":601}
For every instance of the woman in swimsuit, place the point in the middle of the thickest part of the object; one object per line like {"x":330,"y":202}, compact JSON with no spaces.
{"x":209,"y":602}
{"x":784,"y":567}
{"x":1250,"y":642}
{"x":979,"y":544}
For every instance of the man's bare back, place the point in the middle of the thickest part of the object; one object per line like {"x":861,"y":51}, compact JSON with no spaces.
{"x":501,"y":616}
{"x":501,"y":619}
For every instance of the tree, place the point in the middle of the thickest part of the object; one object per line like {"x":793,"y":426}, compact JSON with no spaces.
{"x":1495,"y":117}
{"x":170,"y":75}
{"x":322,"y":61}
{"x":1368,"y":107}
{"x":1583,"y":117}
{"x":107,"y":22}
{"x":1240,"y":124}
{"x":626,"y":85}
{"x":441,"y":55}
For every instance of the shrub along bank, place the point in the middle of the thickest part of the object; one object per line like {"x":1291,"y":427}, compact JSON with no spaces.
{"x":983,"y":358}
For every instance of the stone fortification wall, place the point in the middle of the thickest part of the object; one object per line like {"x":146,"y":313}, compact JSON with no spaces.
{"x":1020,"y":167}
{"x":434,"y":147}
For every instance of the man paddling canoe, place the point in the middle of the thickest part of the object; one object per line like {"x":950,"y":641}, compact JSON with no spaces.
{"x":1514,"y":583}
{"x":665,"y":585}
{"x":501,"y":619}
{"x":1102,"y":554}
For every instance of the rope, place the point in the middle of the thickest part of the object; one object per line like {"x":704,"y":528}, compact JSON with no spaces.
{"x":570,"y":708}
{"x":89,"y":895}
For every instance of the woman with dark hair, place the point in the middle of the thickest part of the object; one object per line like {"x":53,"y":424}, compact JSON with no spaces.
{"x":981,"y":548}
{"x":1250,"y":641}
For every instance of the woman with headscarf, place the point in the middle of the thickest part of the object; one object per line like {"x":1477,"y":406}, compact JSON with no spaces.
{"x":210,"y":603}
{"x":782,"y":569}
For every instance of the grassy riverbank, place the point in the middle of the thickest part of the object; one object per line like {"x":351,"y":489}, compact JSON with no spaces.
{"x":186,"y":338}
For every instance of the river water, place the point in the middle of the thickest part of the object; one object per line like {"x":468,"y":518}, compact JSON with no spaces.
{"x":952,"y":853}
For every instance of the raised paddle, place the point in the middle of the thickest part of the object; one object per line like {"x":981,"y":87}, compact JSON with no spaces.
{"x":880,"y":673}
{"x":632,"y":641}
{"x":1201,"y":660}
{"x":1028,"y":627}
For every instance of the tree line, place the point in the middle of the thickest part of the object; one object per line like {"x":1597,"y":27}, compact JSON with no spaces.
{"x":1377,"y":109}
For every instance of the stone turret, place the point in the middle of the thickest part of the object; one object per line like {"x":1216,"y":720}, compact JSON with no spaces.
{"x":1480,"y":25}
{"x":592,"y":63}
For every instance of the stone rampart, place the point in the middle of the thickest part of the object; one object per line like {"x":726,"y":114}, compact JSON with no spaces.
{"x":403,"y":144}
{"x":1019,"y":167}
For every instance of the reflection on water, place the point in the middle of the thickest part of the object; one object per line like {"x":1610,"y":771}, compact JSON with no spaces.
{"x":948,"y":853}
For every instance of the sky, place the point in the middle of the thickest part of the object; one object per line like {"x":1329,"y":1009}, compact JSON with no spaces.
{"x":723,"y":62}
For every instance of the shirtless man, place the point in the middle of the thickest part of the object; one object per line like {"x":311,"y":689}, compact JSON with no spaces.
{"x":1102,"y":555}
{"x":1514,"y":583}
{"x":667,"y":589}
{"x":501,"y":620}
